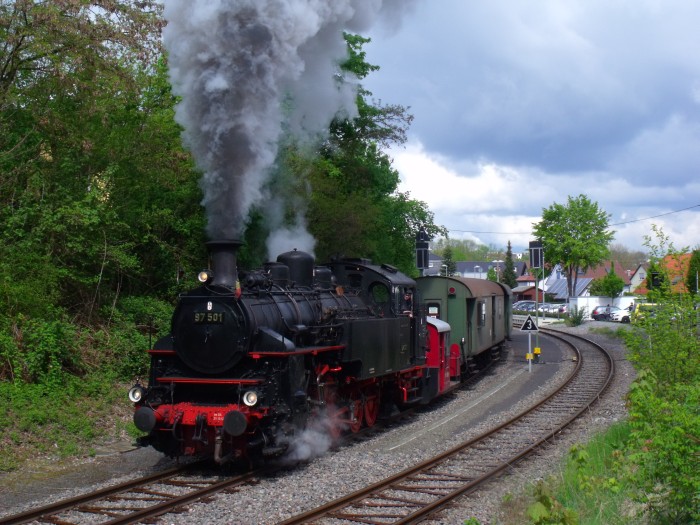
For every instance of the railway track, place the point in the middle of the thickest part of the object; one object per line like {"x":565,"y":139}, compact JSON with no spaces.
{"x":157,"y":494}
{"x":420,"y":492}
{"x":407,"y":497}
{"x":134,"y":500}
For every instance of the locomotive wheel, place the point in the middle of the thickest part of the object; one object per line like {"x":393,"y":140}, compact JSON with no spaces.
{"x":356,"y":411}
{"x":371,"y":406}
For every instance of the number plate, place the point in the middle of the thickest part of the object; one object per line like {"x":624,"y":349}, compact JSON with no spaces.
{"x":208,"y":317}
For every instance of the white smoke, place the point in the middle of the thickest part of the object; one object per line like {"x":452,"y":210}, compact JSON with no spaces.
{"x":285,"y":239}
{"x":236,"y":64}
{"x":311,"y":443}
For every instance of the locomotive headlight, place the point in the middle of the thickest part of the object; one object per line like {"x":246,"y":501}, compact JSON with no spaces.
{"x":136,"y":393}
{"x":250,"y":398}
{"x":204,"y":276}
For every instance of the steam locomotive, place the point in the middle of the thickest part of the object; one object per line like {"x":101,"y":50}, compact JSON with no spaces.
{"x":253,"y":359}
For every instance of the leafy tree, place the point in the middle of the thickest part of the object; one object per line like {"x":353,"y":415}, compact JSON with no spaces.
{"x":575,"y":235}
{"x":448,"y":262}
{"x":693,"y":278}
{"x":491,"y":275}
{"x":355,"y":208}
{"x":611,"y":285}
{"x":629,"y":259}
{"x":464,"y":249}
{"x":98,"y":201}
{"x":658,"y":280}
{"x":509,"y":269}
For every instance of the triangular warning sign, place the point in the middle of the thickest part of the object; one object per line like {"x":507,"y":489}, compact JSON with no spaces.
{"x":529,"y":325}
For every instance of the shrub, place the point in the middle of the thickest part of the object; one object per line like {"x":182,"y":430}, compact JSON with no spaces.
{"x":576,"y":316}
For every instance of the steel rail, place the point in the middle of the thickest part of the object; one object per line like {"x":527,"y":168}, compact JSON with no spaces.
{"x":132,"y":490}
{"x":404,"y":509}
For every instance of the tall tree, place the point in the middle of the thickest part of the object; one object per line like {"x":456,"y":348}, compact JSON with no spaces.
{"x":509,"y":268}
{"x":94,"y":183}
{"x":575,"y":235}
{"x":355,"y":208}
{"x":693,"y":278}
{"x":448,"y":261}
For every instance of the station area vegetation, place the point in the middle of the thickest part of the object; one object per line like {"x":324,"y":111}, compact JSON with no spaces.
{"x":101,"y":227}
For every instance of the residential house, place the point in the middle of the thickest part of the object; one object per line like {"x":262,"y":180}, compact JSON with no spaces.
{"x":677,"y":267}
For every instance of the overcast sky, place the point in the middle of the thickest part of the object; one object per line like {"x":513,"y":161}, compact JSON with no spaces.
{"x":519,"y":104}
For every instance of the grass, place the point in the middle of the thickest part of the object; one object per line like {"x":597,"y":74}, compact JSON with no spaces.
{"x":42,"y":422}
{"x":589,"y":489}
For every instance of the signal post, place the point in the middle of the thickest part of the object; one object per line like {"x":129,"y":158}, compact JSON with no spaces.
{"x":530,"y":326}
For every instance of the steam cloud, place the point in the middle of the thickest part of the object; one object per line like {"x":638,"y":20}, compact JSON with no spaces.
{"x":244,"y":69}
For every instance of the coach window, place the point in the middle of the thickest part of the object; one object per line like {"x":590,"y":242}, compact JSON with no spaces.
{"x":482,"y":314}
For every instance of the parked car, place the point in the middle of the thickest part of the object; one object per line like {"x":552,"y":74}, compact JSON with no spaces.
{"x":524,"y":306}
{"x":620,"y":315}
{"x":605,"y":313}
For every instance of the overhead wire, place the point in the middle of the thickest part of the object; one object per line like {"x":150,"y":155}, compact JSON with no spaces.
{"x":615,"y":224}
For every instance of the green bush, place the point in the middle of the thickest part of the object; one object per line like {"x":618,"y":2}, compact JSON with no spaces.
{"x":665,"y":448}
{"x":664,"y":405}
{"x":136,"y":325}
{"x":576,"y":317}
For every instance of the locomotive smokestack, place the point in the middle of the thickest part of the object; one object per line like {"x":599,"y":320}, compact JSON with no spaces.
{"x":222,"y":255}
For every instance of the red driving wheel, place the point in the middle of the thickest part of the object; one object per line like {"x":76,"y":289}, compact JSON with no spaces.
{"x":371,"y":405}
{"x":356,"y":411}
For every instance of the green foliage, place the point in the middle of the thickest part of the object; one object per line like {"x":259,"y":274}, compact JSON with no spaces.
{"x":611,"y":285}
{"x":547,"y":510}
{"x":44,"y":421}
{"x":448,"y":261}
{"x":136,"y":325}
{"x":692,"y":280}
{"x":594,"y":480}
{"x":464,"y":249}
{"x":576,"y":316}
{"x":664,"y":404}
{"x":509,"y":268}
{"x":575,"y":235}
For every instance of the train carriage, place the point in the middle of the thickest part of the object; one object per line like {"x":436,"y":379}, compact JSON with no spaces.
{"x":478,"y":311}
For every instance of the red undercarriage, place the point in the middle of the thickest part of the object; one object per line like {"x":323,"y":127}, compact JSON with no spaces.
{"x":344,"y":408}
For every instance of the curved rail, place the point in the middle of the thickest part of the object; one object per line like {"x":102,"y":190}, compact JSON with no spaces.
{"x":423,"y":490}
{"x":132,"y":500}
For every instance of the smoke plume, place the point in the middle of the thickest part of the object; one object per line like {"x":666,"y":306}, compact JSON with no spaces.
{"x":245,"y":68}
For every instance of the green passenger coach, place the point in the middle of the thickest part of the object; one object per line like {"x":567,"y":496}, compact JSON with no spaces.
{"x":478,"y":311}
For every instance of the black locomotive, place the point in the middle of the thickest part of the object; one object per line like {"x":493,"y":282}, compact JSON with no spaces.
{"x":253,"y":359}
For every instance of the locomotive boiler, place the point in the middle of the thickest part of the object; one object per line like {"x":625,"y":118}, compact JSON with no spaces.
{"x":254,"y":358}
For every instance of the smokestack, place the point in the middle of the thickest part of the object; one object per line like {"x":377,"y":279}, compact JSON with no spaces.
{"x":222,"y":255}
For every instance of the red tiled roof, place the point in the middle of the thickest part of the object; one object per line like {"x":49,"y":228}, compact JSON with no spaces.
{"x":603,"y":269}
